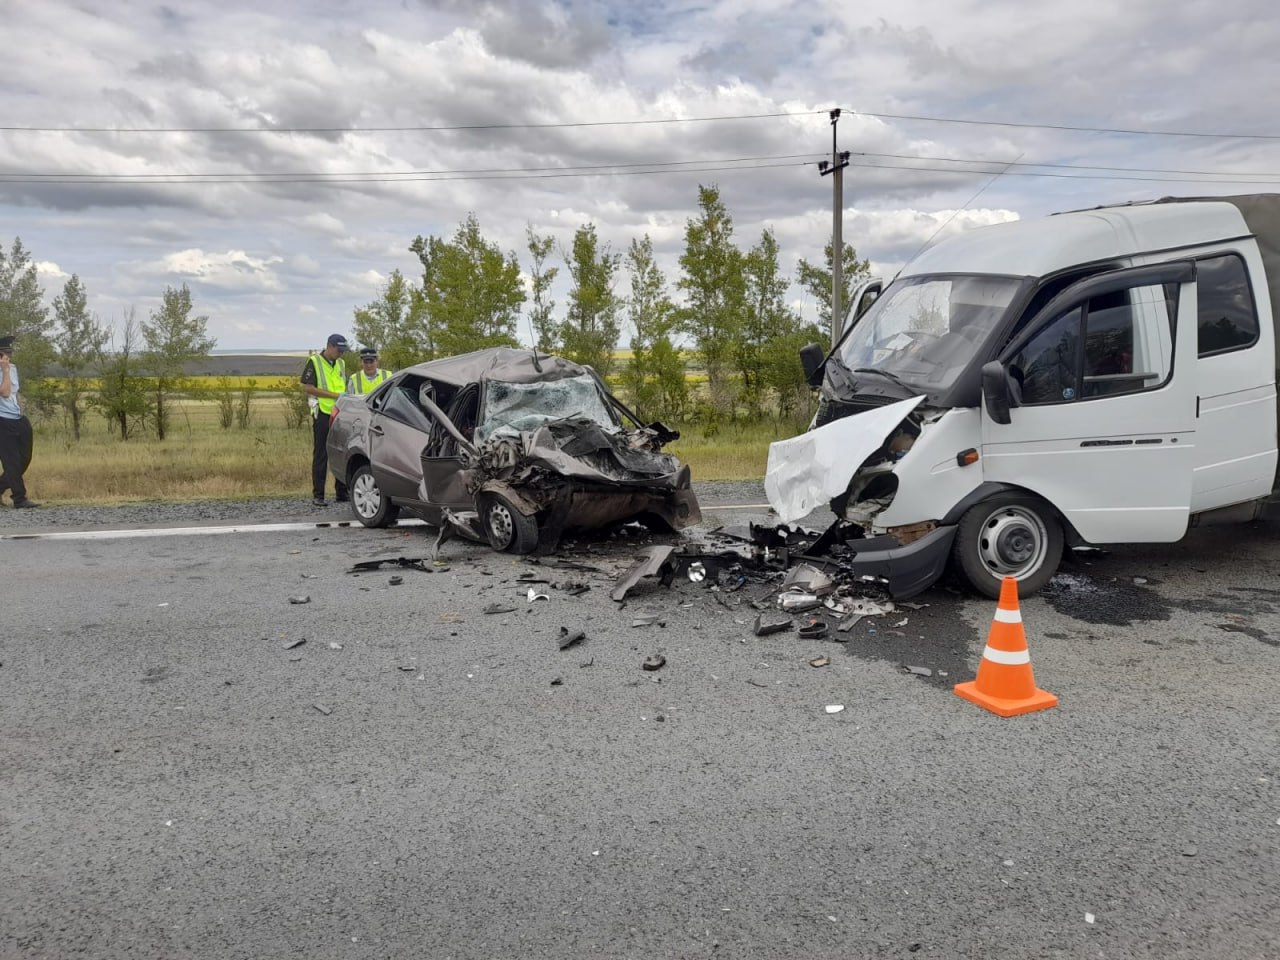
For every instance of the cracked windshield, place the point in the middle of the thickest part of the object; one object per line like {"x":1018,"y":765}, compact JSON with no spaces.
{"x":924,"y":330}
{"x":520,"y":407}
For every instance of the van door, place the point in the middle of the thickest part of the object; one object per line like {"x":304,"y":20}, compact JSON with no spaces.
{"x":1105,"y":393}
{"x":861,"y":297}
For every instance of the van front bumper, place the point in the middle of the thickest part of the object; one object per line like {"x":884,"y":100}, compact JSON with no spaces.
{"x":908,"y":570}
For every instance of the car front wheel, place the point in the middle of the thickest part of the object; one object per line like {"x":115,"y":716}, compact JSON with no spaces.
{"x":1008,"y":536}
{"x":367,"y":502}
{"x":508,"y":529}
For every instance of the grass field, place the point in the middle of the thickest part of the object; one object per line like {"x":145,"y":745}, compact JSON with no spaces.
{"x":200,"y":460}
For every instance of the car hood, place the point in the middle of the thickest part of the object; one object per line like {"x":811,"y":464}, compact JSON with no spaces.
{"x":582,"y":449}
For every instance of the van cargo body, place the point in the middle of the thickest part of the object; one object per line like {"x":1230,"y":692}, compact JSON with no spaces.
{"x":1101,"y":376}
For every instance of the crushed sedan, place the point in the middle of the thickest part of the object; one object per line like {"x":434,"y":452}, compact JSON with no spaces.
{"x":510,"y":446}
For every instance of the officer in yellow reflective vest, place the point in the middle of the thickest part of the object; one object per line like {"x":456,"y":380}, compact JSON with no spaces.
{"x":369,"y":376}
{"x":323,"y":380}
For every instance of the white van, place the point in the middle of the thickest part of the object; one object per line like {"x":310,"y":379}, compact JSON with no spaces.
{"x":1101,"y":376}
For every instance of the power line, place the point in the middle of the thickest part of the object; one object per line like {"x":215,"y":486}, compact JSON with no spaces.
{"x":1064,"y":176}
{"x":1068,"y":127}
{"x":399,"y":174}
{"x":415,"y":129}
{"x":1063,"y":166}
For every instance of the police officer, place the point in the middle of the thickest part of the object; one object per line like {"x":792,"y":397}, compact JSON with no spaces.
{"x":15,"y":431}
{"x":369,"y":376}
{"x":323,"y":380}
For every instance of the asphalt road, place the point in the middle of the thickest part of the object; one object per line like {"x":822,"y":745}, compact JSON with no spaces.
{"x":180,"y":778}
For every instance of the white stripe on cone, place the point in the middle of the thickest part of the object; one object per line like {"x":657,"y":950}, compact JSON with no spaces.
{"x":1008,"y":616}
{"x":1010,"y":658}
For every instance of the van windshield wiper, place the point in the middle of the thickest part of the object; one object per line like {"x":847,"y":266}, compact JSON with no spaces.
{"x":892,"y":377}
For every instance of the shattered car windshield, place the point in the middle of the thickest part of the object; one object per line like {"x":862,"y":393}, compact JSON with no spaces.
{"x":520,"y":407}
{"x":925,"y":330}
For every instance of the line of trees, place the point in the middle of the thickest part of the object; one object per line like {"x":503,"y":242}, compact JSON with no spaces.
{"x":727,"y":307}
{"x":137,"y":366}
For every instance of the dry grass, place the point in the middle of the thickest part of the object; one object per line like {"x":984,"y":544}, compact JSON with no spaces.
{"x":201,"y":461}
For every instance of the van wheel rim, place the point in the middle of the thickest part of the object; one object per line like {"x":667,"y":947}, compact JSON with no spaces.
{"x":365,"y":496}
{"x":502,"y":524}
{"x":1014,"y":542}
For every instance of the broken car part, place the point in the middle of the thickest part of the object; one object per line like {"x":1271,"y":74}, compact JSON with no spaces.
{"x":767,"y":623}
{"x":569,"y":638}
{"x":657,"y":562}
{"x":655,"y":662}
{"x":804,"y":578}
{"x":796,"y":602}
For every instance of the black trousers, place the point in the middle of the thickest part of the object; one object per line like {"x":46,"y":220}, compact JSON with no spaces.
{"x":16,"y":442}
{"x":320,"y":459}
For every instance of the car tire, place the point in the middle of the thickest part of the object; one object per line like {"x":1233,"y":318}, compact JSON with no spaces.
{"x":368,"y":504}
{"x":508,"y":530}
{"x":1010,"y":535}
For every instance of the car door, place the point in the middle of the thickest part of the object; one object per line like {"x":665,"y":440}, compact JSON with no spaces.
{"x":1104,"y":418}
{"x":398,"y":430}
{"x":441,"y":462}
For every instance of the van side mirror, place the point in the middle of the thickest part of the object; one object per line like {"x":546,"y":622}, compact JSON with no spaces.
{"x":995,"y":391}
{"x":811,"y":358}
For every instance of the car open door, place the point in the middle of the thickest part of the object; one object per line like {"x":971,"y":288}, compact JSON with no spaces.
{"x":398,"y":430}
{"x":1102,"y":417}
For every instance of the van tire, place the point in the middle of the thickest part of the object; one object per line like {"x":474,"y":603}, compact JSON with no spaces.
{"x":1008,"y":535}
{"x":369,"y":504}
{"x":508,"y":530}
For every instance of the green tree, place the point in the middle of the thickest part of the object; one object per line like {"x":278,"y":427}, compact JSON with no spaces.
{"x":24,"y":316}
{"x":395,"y":325}
{"x":655,"y":375}
{"x":542,"y":316}
{"x":471,"y":291}
{"x":590,"y":330}
{"x":173,"y":338}
{"x":122,"y":390}
{"x":816,"y":281}
{"x":79,"y":339}
{"x":765,"y":317}
{"x":713,"y":286}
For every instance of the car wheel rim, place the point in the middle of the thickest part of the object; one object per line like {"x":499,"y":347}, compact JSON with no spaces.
{"x":365,"y":496}
{"x":502,"y":524}
{"x":1014,"y":542}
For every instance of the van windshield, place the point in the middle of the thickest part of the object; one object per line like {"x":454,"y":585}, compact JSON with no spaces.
{"x":925,"y":330}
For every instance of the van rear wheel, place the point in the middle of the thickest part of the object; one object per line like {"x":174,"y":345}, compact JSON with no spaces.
{"x":1008,"y":536}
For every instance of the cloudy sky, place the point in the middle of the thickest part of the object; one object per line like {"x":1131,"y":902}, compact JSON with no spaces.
{"x":279,"y":158}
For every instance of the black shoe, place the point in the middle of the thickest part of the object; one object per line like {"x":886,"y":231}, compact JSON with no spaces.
{"x":25,"y":505}
{"x":319,"y":502}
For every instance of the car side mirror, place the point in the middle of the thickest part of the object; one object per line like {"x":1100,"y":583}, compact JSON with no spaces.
{"x":995,"y":391}
{"x":811,"y":358}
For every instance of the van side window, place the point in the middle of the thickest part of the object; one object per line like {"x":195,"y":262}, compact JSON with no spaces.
{"x":1115,"y":344}
{"x":1227,"y":319}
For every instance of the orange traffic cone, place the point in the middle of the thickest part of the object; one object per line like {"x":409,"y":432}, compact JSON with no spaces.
{"x":1005,"y":684}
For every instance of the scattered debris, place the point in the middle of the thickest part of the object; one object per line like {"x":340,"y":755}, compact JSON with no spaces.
{"x":295,"y":643}
{"x":805,"y":578}
{"x":655,"y":662}
{"x":697,"y":572}
{"x":558,"y":681}
{"x":767,"y":623}
{"x":901,"y":623}
{"x":572,"y":587}
{"x":649,"y":620}
{"x":299,"y":600}
{"x":569,"y":638}
{"x":849,"y":622}
{"x":528,"y":577}
{"x":796,"y":602}
{"x":155,"y":674}
{"x":407,"y":669}
{"x":323,"y":709}
{"x":919,"y":671}
{"x":820,"y":662}
{"x":912,"y":606}
{"x":368,"y":566}
{"x":814,"y":630}
{"x":395,"y":581}
{"x":1088,"y":918}
{"x":1190,"y":850}
{"x":499,"y":608}
{"x":834,"y":707}
{"x":334,"y":645}
{"x":587,"y":663}
{"x":535,"y":595}
{"x":657,"y":562}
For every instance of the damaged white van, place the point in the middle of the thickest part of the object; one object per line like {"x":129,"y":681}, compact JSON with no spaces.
{"x":1100,"y":376}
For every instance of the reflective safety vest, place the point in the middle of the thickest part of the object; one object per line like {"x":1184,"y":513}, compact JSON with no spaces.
{"x":331,"y":377}
{"x":359,"y":383}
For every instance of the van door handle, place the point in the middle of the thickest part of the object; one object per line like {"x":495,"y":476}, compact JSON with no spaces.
{"x":377,"y":430}
{"x":1197,"y":408}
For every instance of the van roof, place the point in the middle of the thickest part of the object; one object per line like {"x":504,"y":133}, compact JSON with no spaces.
{"x":1048,"y":244}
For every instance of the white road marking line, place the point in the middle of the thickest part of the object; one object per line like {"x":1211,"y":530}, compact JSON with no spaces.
{"x":189,"y":531}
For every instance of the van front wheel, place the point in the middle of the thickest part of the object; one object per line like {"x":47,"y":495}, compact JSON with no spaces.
{"x":1008,"y":536}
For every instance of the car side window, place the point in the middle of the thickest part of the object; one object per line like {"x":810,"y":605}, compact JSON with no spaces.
{"x":401,"y":403}
{"x":1116,"y":343}
{"x":1226,"y":318}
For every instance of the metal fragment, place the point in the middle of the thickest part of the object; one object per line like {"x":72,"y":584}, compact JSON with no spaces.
{"x":820,"y":662}
{"x":297,"y":600}
{"x":920,"y":671}
{"x":323,"y":709}
{"x":655,"y":662}
{"x":295,"y":643}
{"x":767,"y":623}
{"x":569,"y":638}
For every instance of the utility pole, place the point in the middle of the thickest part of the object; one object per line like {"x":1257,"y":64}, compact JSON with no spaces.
{"x":836,"y":165}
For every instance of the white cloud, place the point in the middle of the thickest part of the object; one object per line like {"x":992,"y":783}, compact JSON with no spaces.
{"x":231,"y":271}
{"x":48,"y":270}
